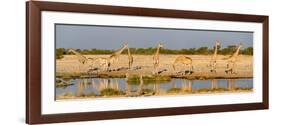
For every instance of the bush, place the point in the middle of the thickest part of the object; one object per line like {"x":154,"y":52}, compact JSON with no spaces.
{"x":91,"y":94}
{"x":135,"y":79}
{"x":110,"y":92}
{"x":248,"y":51}
{"x":149,"y":51}
{"x":60,"y":52}
{"x":174,"y":90}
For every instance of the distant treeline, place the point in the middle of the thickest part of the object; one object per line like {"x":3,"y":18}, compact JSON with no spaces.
{"x":148,"y":51}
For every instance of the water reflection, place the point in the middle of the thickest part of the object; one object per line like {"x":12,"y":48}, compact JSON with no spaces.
{"x":101,"y":87}
{"x":231,"y":84}
{"x":186,"y":85}
{"x":214,"y":83}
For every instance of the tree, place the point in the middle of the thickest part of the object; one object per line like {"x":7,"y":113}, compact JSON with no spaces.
{"x":247,"y":51}
{"x":202,"y":50}
{"x":60,"y":52}
{"x":229,"y":50}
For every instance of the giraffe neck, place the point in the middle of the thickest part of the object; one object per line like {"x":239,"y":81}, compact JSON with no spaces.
{"x":216,"y":51}
{"x":237,"y":51}
{"x":129,"y":53}
{"x":78,"y":54}
{"x":119,"y":51}
{"x":157,"y":51}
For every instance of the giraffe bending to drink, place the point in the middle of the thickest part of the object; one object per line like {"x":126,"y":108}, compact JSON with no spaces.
{"x":156,"y":58}
{"x":184,"y":60}
{"x":231,"y":61}
{"x":118,"y":52}
{"x":213,"y":62}
{"x":106,"y":62}
{"x":82,"y":59}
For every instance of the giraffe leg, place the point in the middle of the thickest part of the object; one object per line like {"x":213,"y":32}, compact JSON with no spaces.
{"x":212,"y":66}
{"x":156,"y":68}
{"x":185,"y":69}
{"x":174,"y":67}
{"x":190,"y":69}
{"x":108,"y":66}
{"x":129,"y":65}
{"x":215,"y":67}
{"x":227,"y":67}
{"x":153,"y":72}
{"x":234,"y":67}
{"x":105,"y":66}
{"x":78,"y":68}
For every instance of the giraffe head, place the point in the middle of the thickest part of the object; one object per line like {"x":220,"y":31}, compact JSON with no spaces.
{"x":125,"y":45}
{"x":218,"y":44}
{"x":240,"y":45}
{"x":70,"y":50}
{"x":160,"y":45}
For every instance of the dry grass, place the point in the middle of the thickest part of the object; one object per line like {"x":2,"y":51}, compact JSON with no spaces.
{"x":70,"y":65}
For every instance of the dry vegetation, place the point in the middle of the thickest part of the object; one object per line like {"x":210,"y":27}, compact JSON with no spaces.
{"x":69,"y":65}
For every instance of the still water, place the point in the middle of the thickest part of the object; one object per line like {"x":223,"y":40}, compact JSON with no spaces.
{"x":95,"y":85}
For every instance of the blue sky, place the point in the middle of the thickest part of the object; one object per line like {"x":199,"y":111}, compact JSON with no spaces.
{"x":107,"y":37}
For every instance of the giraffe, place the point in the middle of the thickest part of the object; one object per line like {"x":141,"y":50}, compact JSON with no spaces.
{"x":213,"y":62}
{"x":82,"y":59}
{"x":231,"y":61}
{"x":156,"y":58}
{"x":115,"y":55}
{"x":130,"y":58}
{"x":106,"y":62}
{"x":186,"y":61}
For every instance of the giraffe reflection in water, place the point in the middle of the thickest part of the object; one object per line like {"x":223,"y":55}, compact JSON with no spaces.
{"x":81,"y":85}
{"x":187,"y":85}
{"x":122,"y":87}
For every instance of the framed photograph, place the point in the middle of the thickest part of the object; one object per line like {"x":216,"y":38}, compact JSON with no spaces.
{"x":94,"y":62}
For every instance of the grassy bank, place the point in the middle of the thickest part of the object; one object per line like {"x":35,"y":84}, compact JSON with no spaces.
{"x":111,"y":93}
{"x":155,"y":78}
